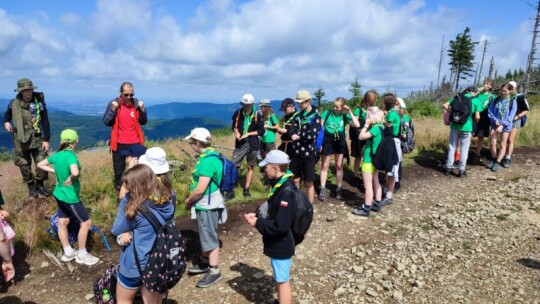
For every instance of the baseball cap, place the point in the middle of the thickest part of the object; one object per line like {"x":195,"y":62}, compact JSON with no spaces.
{"x":277,"y":157}
{"x":513,"y":84}
{"x":402,"y":103}
{"x":265,"y":102}
{"x":200,"y":134}
{"x":285,"y":103}
{"x":247,"y":99}
{"x":156,"y":159}
{"x":302,"y":96}
{"x":68,"y":136}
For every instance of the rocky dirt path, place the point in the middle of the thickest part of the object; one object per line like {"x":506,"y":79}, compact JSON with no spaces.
{"x":445,"y":240}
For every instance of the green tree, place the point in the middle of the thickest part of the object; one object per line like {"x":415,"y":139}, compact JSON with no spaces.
{"x":319,"y":94}
{"x":356,"y":91}
{"x":461,"y":53}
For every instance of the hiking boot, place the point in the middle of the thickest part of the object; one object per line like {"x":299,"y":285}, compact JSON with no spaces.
{"x":322,"y":194}
{"x":228,"y":195}
{"x":209,"y":279}
{"x":362,"y":211}
{"x":490,"y":164}
{"x":199,"y":268}
{"x":387,"y":201}
{"x":447,"y":172}
{"x":32,"y":190}
{"x":87,"y":259}
{"x":70,"y":257}
{"x":338,"y":194}
{"x":462,"y":174}
{"x":41,"y":188}
{"x":495,"y":167}
{"x":246,"y":192}
{"x":506,"y":163}
{"x":397,"y":187}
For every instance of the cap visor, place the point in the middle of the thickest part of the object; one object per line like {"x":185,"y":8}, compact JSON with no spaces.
{"x":263,"y":163}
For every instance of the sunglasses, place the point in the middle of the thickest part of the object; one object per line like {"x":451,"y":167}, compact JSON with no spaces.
{"x":129,"y":95}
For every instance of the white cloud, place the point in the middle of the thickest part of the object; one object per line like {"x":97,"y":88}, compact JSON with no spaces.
{"x":268,"y":47}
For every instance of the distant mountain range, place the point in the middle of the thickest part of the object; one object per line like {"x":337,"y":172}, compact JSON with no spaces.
{"x":166,"y":120}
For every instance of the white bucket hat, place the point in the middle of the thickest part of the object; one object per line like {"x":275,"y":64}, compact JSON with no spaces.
{"x":156,"y":159}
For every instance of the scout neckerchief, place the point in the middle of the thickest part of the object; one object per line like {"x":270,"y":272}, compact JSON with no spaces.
{"x":333,"y":126}
{"x":201,"y":157}
{"x":502,"y":110}
{"x":288,"y":121}
{"x":306,"y":119}
{"x":248,"y":119}
{"x":281,"y":181}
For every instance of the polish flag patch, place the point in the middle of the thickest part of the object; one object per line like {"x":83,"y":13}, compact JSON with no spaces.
{"x":284,"y":204}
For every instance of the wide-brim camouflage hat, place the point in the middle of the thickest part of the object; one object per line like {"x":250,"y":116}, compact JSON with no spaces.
{"x":24,"y":84}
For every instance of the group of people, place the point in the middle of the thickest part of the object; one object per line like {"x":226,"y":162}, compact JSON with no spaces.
{"x":495,"y":116}
{"x":141,"y":175}
{"x":301,"y":132}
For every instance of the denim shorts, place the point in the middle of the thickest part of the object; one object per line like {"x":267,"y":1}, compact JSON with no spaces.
{"x":129,"y":283}
{"x":281,"y":269}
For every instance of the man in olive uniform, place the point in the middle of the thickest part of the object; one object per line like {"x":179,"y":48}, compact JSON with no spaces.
{"x":26,"y":117}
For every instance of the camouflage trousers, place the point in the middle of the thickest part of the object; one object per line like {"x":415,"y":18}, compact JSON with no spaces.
{"x":25,"y":153}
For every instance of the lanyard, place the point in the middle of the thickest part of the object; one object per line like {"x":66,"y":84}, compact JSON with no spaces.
{"x":248,"y":119}
{"x":37,"y":119}
{"x":280,"y":183}
{"x":291,"y":118}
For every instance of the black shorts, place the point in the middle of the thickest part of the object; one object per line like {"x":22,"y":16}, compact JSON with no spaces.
{"x":481,"y":128}
{"x":73,"y":211}
{"x":334,"y":145}
{"x":303,"y":168}
{"x":357,"y":145}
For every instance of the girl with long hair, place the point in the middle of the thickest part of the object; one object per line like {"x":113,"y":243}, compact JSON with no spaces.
{"x":357,"y":145}
{"x":501,"y":113}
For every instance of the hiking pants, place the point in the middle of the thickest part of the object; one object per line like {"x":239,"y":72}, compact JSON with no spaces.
{"x":465,"y":139}
{"x":25,"y":153}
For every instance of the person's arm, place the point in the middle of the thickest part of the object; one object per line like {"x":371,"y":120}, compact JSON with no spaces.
{"x":354,"y":121}
{"x":491,"y":112}
{"x":260,"y":125}
{"x":74,"y":169}
{"x":121,"y":223}
{"x":198,"y":192}
{"x":46,"y":132}
{"x":8,"y":116}
{"x":364,"y":133}
{"x":509,"y":119}
{"x":284,"y":216}
{"x":446,"y":106}
{"x":275,"y":121}
{"x":234,"y":126}
{"x":143,"y":116}
{"x":45,"y":166}
{"x":110,"y":113}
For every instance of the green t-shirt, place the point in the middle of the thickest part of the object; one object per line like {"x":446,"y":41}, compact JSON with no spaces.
{"x":62,"y":162}
{"x":248,"y":118}
{"x":373,"y":143}
{"x":406,"y":118}
{"x":393,"y":117}
{"x":211,"y":167}
{"x":270,"y":135}
{"x":334,"y":123}
{"x":468,"y":126}
{"x":484,"y":100}
{"x":360,"y":113}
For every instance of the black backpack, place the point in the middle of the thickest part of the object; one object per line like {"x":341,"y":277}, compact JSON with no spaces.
{"x":303,"y":216}
{"x":460,"y":110}
{"x":386,"y":155}
{"x":406,"y":136}
{"x":167,"y":259}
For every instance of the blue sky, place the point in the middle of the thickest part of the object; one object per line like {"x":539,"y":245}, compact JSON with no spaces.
{"x":218,"y":50}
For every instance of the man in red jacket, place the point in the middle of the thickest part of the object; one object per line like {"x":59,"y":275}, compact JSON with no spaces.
{"x":125,"y":115}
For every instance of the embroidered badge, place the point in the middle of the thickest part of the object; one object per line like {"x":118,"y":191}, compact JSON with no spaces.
{"x":284,"y":204}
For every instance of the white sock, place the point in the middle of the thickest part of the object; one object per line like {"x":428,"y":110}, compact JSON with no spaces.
{"x":68,"y":250}
{"x":389,"y":195}
{"x":82,"y":252}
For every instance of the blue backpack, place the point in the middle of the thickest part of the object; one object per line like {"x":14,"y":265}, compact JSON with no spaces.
{"x":320,"y":136}
{"x":229,"y":179}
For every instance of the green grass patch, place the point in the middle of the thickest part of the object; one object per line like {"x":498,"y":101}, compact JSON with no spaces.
{"x":400,"y":231}
{"x":426,"y":224}
{"x":516,"y":179}
{"x":502,"y":217}
{"x":466,"y":245}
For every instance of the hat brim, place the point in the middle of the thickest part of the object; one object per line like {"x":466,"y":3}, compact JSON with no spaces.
{"x":263,"y":163}
{"x":25,"y":88}
{"x":246,"y":103}
{"x":158,"y":169}
{"x":301,"y":100}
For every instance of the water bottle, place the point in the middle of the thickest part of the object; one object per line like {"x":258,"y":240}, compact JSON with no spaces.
{"x":106,"y":296}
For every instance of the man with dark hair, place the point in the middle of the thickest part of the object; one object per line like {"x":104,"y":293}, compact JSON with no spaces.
{"x":125,"y":115}
{"x":31,"y":134}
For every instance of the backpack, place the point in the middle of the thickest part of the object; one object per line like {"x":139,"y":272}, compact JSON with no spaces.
{"x":229,"y":180}
{"x":303,"y":216}
{"x":386,"y":155}
{"x":320,"y":136}
{"x":460,"y":109}
{"x":73,"y":230}
{"x":167,"y":259}
{"x":406,"y":136}
{"x":106,"y":282}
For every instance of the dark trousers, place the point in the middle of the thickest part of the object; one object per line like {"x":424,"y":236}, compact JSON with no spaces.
{"x":119,"y":164}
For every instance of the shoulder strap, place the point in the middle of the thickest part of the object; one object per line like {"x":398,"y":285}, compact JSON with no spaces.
{"x":327,"y":114}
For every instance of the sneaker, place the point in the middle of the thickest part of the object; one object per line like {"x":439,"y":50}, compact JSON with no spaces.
{"x":41,"y":189}
{"x":322,"y":194}
{"x":495,"y":167}
{"x":229,"y":195}
{"x":376,"y":207}
{"x":397,"y":187}
{"x":246,"y":193}
{"x":199,"y":268}
{"x":446,"y":172}
{"x":209,"y":279}
{"x":456,"y":164}
{"x":462,"y":174}
{"x":490,"y":164}
{"x":361,"y":211}
{"x":387,"y":201}
{"x":32,"y":190}
{"x":88,"y":259}
{"x":67,"y":258}
{"x":338,"y":194}
{"x":506,"y":163}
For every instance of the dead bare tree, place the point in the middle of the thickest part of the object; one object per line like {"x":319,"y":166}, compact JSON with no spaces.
{"x":482,"y":62}
{"x":530,"y":60}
